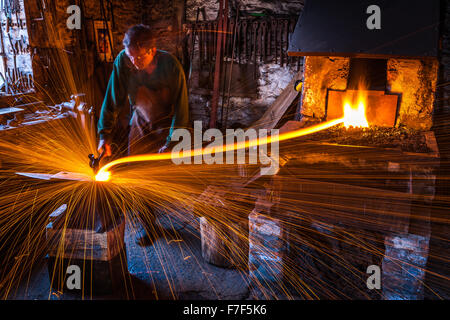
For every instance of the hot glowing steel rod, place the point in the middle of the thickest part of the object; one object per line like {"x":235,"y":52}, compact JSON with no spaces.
{"x":105,"y":175}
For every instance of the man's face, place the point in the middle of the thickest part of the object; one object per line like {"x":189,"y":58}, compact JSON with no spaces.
{"x":141,"y":58}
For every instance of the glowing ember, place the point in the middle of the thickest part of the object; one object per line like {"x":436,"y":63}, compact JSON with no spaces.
{"x":103,"y":176}
{"x":355,"y":117}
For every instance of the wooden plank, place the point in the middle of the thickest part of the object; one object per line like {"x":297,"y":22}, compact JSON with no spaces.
{"x":85,"y":244}
{"x":275,"y":112}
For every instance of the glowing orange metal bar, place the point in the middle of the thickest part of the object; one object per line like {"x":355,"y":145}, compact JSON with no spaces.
{"x":104,"y":174}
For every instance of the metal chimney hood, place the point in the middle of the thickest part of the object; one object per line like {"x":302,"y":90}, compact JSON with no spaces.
{"x":408,"y":29}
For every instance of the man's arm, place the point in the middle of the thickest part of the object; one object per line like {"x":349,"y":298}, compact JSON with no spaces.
{"x":115,"y":98}
{"x":180,"y":118}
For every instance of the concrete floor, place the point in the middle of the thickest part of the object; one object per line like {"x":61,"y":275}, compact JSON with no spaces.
{"x":171,"y":268}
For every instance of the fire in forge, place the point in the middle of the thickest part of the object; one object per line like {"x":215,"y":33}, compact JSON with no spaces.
{"x":243,"y":150}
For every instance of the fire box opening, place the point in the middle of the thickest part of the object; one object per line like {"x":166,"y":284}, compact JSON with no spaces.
{"x":365,"y":98}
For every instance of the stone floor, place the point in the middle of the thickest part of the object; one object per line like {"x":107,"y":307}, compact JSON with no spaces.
{"x":171,"y":268}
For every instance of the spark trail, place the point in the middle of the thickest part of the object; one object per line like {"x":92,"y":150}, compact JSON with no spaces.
{"x":105,"y":175}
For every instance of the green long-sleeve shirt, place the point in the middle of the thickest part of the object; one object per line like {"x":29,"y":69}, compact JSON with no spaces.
{"x":125,"y":81}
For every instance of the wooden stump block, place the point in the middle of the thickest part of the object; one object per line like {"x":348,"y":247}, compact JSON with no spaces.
{"x":98,"y":258}
{"x":269,"y":247}
{"x":225,"y":245}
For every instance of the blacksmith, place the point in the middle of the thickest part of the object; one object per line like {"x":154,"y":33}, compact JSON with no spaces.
{"x":154,"y":83}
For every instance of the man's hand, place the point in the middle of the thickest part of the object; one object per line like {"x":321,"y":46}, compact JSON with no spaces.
{"x":103,"y":145}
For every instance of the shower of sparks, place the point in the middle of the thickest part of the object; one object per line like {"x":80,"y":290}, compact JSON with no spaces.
{"x":103,"y":176}
{"x":152,"y":183}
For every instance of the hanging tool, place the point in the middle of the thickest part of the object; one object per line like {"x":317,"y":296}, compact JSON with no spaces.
{"x":201,"y":43}
{"x":264,"y":41}
{"x":274,"y":32}
{"x":212,"y":40}
{"x":235,"y":36}
{"x":221,"y":37}
{"x":244,"y":36}
{"x":107,"y":27}
{"x":255,"y":47}
{"x":193,"y":38}
{"x":215,"y":32}
{"x":238,"y":40}
{"x":279,"y":43}
{"x":260,"y":43}
{"x":231,"y":29}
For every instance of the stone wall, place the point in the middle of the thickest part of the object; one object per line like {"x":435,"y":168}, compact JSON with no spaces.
{"x":272,"y":78}
{"x":416,"y":81}
{"x":319,"y":75}
{"x":268,"y":6}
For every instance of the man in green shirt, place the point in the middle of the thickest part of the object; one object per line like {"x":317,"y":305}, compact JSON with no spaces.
{"x":154,"y":82}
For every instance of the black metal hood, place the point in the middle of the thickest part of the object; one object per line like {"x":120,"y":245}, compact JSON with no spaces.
{"x":339,"y":28}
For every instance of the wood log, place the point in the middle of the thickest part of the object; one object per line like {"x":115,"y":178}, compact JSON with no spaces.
{"x":225,"y":245}
{"x":101,"y":257}
{"x":85,"y":244}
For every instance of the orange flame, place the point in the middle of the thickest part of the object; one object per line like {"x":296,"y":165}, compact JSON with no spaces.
{"x":356,"y":117}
